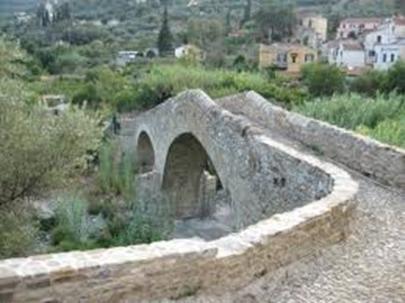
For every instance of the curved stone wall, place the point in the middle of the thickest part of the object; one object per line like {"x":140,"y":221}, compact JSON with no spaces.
{"x":382,"y":162}
{"x":318,"y":198}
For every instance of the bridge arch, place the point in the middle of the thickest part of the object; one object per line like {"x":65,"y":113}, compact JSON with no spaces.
{"x":145,"y":153}
{"x":189,"y":179}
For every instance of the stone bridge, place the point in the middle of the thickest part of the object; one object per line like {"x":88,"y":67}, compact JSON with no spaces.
{"x":284,"y":204}
{"x":189,"y":141}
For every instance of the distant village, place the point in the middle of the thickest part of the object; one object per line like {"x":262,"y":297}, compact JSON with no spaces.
{"x":360,"y":44}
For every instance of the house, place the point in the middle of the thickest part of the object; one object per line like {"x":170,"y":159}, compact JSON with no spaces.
{"x":318,"y":24}
{"x":374,"y":40}
{"x":385,"y":55}
{"x":353,"y":27}
{"x":189,"y":51}
{"x":350,"y":55}
{"x":312,"y":30}
{"x":285,"y":56}
{"x":384,"y":46}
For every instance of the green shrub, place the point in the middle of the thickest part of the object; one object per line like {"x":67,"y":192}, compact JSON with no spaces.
{"x":40,"y":149}
{"x":164,"y":81}
{"x":323,"y":79}
{"x":369,"y":83}
{"x":73,"y":221}
{"x":18,"y":233}
{"x":390,"y":131}
{"x":116,"y":174}
{"x":396,"y":78}
{"x":380,"y":117}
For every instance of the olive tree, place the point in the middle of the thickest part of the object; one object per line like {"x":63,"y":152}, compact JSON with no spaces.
{"x":39,"y":149}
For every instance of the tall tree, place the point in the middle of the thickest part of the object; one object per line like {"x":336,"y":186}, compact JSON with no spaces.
{"x":165,"y":39}
{"x":247,"y":12}
{"x":43,"y":15}
{"x":276,"y":20}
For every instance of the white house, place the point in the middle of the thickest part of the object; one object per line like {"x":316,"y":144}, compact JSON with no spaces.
{"x":348,"y":54}
{"x":386,"y":55}
{"x":384,"y":46}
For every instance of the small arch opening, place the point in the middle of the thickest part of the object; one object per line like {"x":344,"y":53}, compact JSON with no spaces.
{"x":190,"y":179}
{"x":145,"y":154}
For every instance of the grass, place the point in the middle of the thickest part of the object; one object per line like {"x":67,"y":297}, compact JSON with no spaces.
{"x":125,"y":223}
{"x":382,"y":117}
{"x":116,"y":174}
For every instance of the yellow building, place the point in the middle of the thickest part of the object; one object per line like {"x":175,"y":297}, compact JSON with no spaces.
{"x":288,"y":57}
{"x":318,"y":24}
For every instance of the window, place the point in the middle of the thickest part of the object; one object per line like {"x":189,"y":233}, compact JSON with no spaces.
{"x":379,"y":39}
{"x":309,"y":57}
{"x":384,"y":57}
{"x":371,"y":53}
{"x":392,"y":57}
{"x":294,"y":57}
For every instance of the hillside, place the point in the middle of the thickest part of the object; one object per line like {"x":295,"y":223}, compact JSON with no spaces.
{"x":8,"y":7}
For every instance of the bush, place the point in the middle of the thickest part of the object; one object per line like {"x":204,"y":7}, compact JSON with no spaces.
{"x":122,"y":224}
{"x":370,"y":83}
{"x":116,"y":174}
{"x":18,"y":233}
{"x":390,"y":131}
{"x":74,"y":228}
{"x":396,"y":78}
{"x":323,"y":79}
{"x":40,"y":149}
{"x":165,"y":81}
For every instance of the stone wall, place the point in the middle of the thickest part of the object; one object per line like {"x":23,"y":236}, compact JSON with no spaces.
{"x":380,"y":161}
{"x":313,"y":201}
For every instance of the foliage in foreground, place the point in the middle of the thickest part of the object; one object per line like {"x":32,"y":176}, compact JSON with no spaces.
{"x":382,"y":117}
{"x":114,"y":223}
{"x":18,"y":233}
{"x":39,"y":149}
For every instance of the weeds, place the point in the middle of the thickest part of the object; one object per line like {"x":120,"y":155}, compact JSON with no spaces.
{"x":381,"y":117}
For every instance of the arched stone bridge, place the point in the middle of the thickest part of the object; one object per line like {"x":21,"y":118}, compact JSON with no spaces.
{"x":190,"y":140}
{"x":284,"y":204}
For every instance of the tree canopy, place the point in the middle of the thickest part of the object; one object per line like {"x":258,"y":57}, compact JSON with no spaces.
{"x":275,"y":20}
